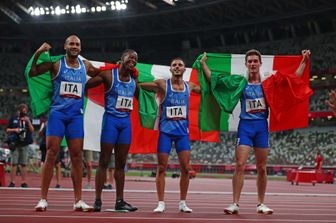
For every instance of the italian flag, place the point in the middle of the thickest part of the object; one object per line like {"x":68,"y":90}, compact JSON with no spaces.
{"x":145,"y":114}
{"x":207,"y":115}
{"x":286,"y":94}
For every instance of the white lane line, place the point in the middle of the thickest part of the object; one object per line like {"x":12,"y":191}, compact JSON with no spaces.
{"x":246,"y":211}
{"x":189,"y":192}
{"x":167,"y":219}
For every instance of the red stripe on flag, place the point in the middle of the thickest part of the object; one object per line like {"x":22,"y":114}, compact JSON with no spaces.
{"x":143,"y":140}
{"x":194,"y":104}
{"x":295,"y":115}
{"x":96,"y":95}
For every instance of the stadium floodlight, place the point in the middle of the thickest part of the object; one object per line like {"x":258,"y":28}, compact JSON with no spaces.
{"x":58,"y":10}
{"x":77,"y":9}
{"x":170,"y":2}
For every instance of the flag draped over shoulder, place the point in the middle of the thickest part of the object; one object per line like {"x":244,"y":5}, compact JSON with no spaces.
{"x":144,"y":138}
{"x":40,"y":88}
{"x":287,"y":94}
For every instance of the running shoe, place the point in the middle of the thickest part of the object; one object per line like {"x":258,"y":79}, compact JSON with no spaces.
{"x":97,"y":205}
{"x":41,"y":205}
{"x":160,"y":208}
{"x":263,"y":209}
{"x":232,"y":209}
{"x":82,"y":206}
{"x":122,"y":205}
{"x":184,"y":208}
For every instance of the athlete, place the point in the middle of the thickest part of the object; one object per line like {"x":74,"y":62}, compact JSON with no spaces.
{"x":120,"y":87}
{"x":174,"y":121}
{"x":68,"y":77}
{"x":253,"y":129}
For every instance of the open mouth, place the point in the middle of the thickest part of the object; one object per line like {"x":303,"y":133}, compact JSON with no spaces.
{"x":131,"y":64}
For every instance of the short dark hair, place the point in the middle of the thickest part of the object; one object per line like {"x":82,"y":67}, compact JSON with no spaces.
{"x":176,"y":58}
{"x":21,"y":106}
{"x":252,"y":52}
{"x":127,"y":51}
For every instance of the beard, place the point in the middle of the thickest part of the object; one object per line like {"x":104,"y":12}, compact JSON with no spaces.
{"x":72,"y":55}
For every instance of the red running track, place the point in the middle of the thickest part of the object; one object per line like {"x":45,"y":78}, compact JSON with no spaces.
{"x":207,"y":198}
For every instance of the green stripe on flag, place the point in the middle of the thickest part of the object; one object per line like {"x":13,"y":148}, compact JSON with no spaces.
{"x":148,"y":108}
{"x":145,"y":72}
{"x":40,"y":87}
{"x":222,"y":95}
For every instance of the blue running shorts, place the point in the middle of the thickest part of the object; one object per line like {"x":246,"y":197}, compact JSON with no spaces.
{"x":116,"y":130}
{"x":62,"y":124}
{"x":182,"y":142}
{"x":253,"y":133}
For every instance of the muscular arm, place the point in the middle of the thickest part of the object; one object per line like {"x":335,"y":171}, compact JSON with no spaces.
{"x":303,"y":63}
{"x":37,"y":70}
{"x":90,"y":69}
{"x":97,"y":80}
{"x":194,"y":88}
{"x":205,"y":68}
{"x":156,"y":86}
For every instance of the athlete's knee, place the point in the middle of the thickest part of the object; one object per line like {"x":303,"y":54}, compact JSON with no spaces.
{"x":103,"y":164}
{"x":161,"y":169}
{"x":185,"y":169}
{"x":52,"y":152}
{"x":240,"y":166}
{"x":77,"y":157}
{"x":51,"y":156}
{"x":120,"y":165}
{"x":261,"y":168}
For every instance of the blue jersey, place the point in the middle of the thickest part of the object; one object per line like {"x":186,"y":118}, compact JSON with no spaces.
{"x":119,"y":98}
{"x":68,"y":88}
{"x":253,"y":103}
{"x":174,"y":110}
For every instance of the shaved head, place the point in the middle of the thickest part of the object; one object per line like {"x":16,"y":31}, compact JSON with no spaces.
{"x":71,"y":38}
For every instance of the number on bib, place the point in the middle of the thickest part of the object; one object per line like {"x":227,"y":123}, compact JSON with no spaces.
{"x":255,"y":105}
{"x":71,"y":89}
{"x":176,"y":112}
{"x":124,"y":103}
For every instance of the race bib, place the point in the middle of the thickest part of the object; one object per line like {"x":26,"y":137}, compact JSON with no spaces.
{"x":71,"y":89}
{"x":255,"y":105}
{"x":176,"y":112}
{"x":124,"y":103}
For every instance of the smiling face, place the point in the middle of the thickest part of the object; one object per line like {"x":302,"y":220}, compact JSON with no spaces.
{"x":177,"y":67}
{"x":253,"y":64}
{"x":72,"y":46}
{"x":129,"y":59}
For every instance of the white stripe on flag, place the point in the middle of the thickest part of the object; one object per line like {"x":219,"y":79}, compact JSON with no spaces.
{"x":93,"y":118}
{"x":163,"y":72}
